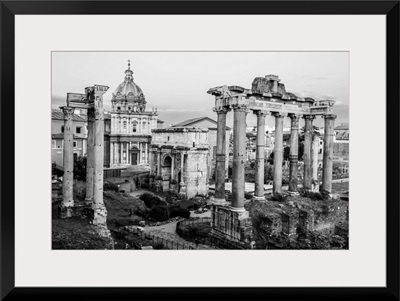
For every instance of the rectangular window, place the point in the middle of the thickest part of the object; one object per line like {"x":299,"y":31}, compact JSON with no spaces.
{"x":124,"y":125}
{"x":62,"y":129}
{"x":75,"y":144}
{"x":78,"y":129}
{"x":53,"y":144}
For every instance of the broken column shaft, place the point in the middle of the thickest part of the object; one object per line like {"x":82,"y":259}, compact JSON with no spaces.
{"x":294,"y":149}
{"x":90,"y":157}
{"x":278,"y":153}
{"x":308,"y":129}
{"x":68,"y":161}
{"x":239,"y":158}
{"x":260,"y":150}
{"x":328,"y":153}
{"x":220,"y":157}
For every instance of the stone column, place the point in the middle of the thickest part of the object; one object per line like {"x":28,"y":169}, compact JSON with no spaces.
{"x":220,"y":157}
{"x":111,"y":153}
{"x":90,"y":157}
{"x":315,"y":149}
{"x":99,"y":209}
{"x":308,"y":130}
{"x":172,"y":166}
{"x":294,"y":150}
{"x":140,"y":152}
{"x":260,"y":153}
{"x":239,"y":157}
{"x":159,"y":163}
{"x":182,"y":183}
{"x":146,"y":153}
{"x":121,"y":160}
{"x":68,"y":163}
{"x":278,"y":153}
{"x":328,"y":153}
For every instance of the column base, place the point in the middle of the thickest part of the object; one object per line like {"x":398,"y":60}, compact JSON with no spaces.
{"x":100,"y":216}
{"x":65,"y":212}
{"x":88,"y":201}
{"x":217,"y":201}
{"x":259,"y":198}
{"x":235,"y":209}
{"x":231,"y":229}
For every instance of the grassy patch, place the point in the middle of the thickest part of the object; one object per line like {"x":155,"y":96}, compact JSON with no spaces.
{"x":76,"y":233}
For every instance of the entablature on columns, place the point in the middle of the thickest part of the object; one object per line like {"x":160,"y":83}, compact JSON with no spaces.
{"x":90,"y":99}
{"x":268,"y":94}
{"x":130,"y":138}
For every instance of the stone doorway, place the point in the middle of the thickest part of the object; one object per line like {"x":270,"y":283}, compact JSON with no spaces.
{"x":134,"y":158}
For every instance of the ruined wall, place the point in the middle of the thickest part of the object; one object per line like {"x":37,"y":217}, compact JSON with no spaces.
{"x":300,"y":224}
{"x":196,"y":175}
{"x":340,"y":150}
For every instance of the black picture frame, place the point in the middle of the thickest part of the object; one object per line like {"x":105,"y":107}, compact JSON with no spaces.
{"x":11,"y":8}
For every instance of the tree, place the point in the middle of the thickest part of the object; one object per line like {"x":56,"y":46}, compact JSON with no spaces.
{"x":80,"y":168}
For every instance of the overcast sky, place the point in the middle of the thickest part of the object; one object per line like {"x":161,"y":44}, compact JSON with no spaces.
{"x":176,"y":82}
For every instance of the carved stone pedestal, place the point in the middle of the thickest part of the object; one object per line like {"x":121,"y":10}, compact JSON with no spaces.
{"x":230,"y":229}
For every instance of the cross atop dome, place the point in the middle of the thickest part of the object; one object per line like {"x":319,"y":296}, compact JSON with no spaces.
{"x":129,"y":64}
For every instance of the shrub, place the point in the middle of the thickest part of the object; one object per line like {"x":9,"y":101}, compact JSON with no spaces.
{"x":278,"y":198}
{"x":150,"y":200}
{"x":315,"y":196}
{"x":173,"y":182}
{"x":248,"y":196}
{"x":325,"y":194}
{"x":110,"y":186}
{"x":176,"y":210}
{"x":159,"y":213}
{"x":158,"y":246}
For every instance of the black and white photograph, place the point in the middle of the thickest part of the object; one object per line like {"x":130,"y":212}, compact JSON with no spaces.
{"x":200,"y":150}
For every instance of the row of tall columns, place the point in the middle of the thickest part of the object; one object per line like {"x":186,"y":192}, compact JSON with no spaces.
{"x":239,"y":138}
{"x":117,"y":125}
{"x":117,"y":150}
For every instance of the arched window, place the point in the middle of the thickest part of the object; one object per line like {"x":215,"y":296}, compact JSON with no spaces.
{"x":124,"y":125}
{"x":134,"y":126}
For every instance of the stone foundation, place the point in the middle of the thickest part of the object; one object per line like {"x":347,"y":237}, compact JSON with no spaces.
{"x":230,"y":229}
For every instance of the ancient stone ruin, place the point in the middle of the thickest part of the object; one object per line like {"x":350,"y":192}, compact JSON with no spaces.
{"x":267,"y":96}
{"x":92,"y":101}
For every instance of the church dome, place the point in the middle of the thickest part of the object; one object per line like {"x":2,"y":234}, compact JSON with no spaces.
{"x":128,"y":88}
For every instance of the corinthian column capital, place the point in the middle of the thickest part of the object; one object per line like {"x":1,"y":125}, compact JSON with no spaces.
{"x":278,"y":114}
{"x":309,"y":117}
{"x":329,"y":116}
{"x":221,"y":110}
{"x":260,"y":113}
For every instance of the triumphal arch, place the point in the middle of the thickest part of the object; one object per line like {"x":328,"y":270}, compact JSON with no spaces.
{"x":92,"y":101}
{"x":267,"y":96}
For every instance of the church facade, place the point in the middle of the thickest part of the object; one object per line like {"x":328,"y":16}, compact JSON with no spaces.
{"x":131,"y":124}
